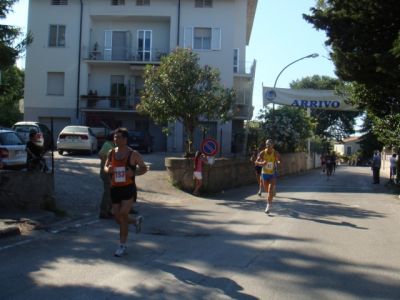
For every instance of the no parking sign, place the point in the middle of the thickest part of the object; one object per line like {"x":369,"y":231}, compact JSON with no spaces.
{"x":209,"y":147}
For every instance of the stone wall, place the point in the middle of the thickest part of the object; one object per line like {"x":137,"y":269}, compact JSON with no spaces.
{"x":26,"y":190}
{"x":227,"y":173}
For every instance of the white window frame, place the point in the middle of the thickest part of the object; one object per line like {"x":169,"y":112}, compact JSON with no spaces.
{"x":49,"y":91}
{"x":236,"y":52}
{"x":216,"y":38}
{"x":145,"y":51}
{"x":57,"y":41}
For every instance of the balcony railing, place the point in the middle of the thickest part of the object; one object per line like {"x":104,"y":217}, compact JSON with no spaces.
{"x":125,"y":54}
{"x":109,"y":102}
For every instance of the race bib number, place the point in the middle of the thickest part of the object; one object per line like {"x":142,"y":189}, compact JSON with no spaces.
{"x":120,"y":175}
{"x":269,"y":165}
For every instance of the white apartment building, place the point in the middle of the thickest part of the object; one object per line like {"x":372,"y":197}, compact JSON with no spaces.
{"x":86,"y":62}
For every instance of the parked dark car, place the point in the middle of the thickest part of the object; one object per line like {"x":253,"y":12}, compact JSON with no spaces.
{"x":43,"y":133}
{"x":141,"y":141}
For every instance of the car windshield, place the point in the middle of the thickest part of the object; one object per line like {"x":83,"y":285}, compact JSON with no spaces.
{"x":75,"y":129}
{"x":9,"y":139}
{"x":25,"y":128}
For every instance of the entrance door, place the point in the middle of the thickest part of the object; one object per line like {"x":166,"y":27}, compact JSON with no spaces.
{"x":144,"y":45}
{"x":116,"y":45}
{"x":119,"y":45}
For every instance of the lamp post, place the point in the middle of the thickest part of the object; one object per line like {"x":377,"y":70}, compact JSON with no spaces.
{"x":314,"y":55}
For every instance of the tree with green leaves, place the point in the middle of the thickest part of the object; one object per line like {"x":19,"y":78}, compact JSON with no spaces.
{"x":13,"y":91}
{"x":329,"y":123}
{"x":182,"y":90}
{"x":369,"y":142}
{"x":288,"y":126}
{"x":364,"y":39}
{"x":10,"y":48}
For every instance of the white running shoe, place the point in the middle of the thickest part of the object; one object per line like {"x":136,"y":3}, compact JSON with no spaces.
{"x":121,"y":250}
{"x":267,"y":209}
{"x":138,"y":223}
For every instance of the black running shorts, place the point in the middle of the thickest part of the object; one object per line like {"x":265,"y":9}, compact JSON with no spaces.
{"x":120,"y":193}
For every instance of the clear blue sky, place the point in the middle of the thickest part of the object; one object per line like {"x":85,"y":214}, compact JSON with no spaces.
{"x":280,"y":35}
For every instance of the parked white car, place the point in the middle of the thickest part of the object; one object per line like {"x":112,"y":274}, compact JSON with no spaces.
{"x":76,"y":138}
{"x":12,"y":150}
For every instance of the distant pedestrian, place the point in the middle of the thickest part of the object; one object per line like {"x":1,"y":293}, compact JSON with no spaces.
{"x":34,"y":159}
{"x":257,"y":168}
{"x":122,"y":163}
{"x":322,"y":158}
{"x":269,"y":159}
{"x":393,"y":167}
{"x":199,"y":160}
{"x":105,"y":206}
{"x":334,"y":159}
{"x":376,"y":166}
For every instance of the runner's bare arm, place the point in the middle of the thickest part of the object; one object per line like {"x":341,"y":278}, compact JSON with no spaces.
{"x":260,"y":160}
{"x":107,"y":166}
{"x":278,"y":157}
{"x":137,"y":160}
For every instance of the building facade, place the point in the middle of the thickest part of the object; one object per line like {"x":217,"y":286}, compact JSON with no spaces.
{"x":348,"y":146}
{"x":86,"y":62}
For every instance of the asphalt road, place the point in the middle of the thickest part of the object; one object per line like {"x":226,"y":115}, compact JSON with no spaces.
{"x":335,"y":239}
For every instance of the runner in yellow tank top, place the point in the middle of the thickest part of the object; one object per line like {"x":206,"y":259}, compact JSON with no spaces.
{"x":269,"y":159}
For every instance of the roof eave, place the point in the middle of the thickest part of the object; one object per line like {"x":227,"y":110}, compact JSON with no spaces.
{"x":251,"y":12}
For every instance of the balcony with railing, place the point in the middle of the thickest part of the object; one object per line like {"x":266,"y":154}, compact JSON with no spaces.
{"x":93,"y":102}
{"x":125,"y":54}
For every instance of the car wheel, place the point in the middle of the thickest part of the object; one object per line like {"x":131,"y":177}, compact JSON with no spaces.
{"x":60,"y":152}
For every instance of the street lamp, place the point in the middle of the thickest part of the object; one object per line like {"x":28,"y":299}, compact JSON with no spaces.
{"x":314,"y":55}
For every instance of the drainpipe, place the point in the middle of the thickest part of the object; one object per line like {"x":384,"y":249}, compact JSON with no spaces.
{"x":79,"y":62}
{"x":179,"y":22}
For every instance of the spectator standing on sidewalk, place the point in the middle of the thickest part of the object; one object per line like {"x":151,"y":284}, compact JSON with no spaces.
{"x":376,"y":166}
{"x":393,"y":167}
{"x":105,"y":206}
{"x":124,"y":164}
{"x":269,"y":159}
{"x":199,"y":159}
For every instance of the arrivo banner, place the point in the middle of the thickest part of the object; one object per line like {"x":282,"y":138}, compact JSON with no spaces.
{"x":307,"y":98}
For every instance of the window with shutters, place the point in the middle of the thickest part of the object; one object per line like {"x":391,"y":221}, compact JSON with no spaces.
{"x":59,"y":2}
{"x":117,"y":2}
{"x":57,"y":36}
{"x":142,"y":2}
{"x":202,"y":38}
{"x":55,"y":83}
{"x":203,"y":3}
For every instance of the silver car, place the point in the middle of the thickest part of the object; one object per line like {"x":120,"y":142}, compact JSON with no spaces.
{"x":76,"y":138}
{"x":12,"y":150}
